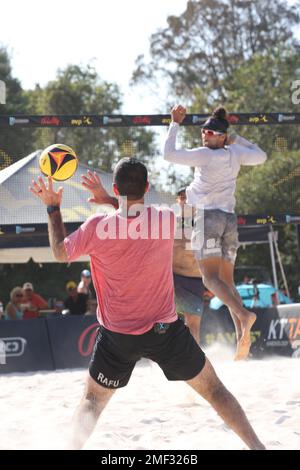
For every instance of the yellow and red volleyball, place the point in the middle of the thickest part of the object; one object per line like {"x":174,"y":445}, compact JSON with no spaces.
{"x":59,"y":161}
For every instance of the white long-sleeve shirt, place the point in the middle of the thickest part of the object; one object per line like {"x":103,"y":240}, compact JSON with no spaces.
{"x":216,"y":170}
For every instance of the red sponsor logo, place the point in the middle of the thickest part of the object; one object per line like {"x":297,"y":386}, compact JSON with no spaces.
{"x":241,"y":221}
{"x":294,"y":324}
{"x":87,"y":340}
{"x":50,"y":121}
{"x":233,"y":119}
{"x":141,"y":120}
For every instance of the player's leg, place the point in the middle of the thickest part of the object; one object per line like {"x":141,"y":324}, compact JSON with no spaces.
{"x":110,"y":368}
{"x":181,"y":358}
{"x":193,"y":323}
{"x":227,"y":275}
{"x":210,"y":269}
{"x":208,"y":249}
{"x":243,"y":318}
{"x":209,"y":386}
{"x":93,"y":402}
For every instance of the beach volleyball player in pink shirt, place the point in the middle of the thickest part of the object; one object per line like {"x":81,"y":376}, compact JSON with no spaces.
{"x":131,"y":265}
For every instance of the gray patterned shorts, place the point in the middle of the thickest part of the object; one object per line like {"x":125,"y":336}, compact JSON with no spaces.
{"x":215,"y":235}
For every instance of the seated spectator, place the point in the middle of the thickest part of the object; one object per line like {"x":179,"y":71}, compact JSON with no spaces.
{"x":13,"y":309}
{"x":76,"y":302}
{"x":91,"y":307}
{"x":34,"y":302}
{"x":83,"y":286}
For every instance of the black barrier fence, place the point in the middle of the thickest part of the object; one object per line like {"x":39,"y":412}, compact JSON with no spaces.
{"x":25,"y":346}
{"x":67,"y":342}
{"x":72,"y":340}
{"x":276,"y":330}
{"x":46,"y":343}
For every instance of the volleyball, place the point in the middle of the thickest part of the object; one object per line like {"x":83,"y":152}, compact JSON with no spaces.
{"x":58,"y":161}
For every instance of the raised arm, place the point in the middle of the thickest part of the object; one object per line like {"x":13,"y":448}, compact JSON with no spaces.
{"x":52,"y":199}
{"x":190,"y":157}
{"x":250,"y":154}
{"x":93,"y":183}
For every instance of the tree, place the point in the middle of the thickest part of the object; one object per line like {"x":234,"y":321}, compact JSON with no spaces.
{"x":79,"y":90}
{"x":211,"y":39}
{"x":14,"y":143}
{"x":243,"y":54}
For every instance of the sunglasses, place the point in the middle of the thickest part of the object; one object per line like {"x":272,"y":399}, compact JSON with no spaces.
{"x":19,"y":295}
{"x":210,"y":132}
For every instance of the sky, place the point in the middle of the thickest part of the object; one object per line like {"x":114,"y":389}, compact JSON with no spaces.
{"x":44,"y":36}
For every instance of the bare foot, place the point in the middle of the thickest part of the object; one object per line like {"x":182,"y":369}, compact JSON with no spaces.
{"x":244,"y":343}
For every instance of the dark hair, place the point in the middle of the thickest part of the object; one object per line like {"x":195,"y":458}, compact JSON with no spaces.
{"x":130,"y":177}
{"x":220,"y":113}
{"x":217,"y":121}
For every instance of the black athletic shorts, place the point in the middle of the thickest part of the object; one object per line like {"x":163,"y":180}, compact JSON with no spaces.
{"x":189,"y":294}
{"x":175,"y":351}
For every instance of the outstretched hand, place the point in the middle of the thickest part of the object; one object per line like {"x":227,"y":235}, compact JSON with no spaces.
{"x":46,"y":193}
{"x":178,"y":113}
{"x":93,"y":183}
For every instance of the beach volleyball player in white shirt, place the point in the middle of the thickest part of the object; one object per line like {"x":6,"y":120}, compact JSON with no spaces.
{"x":215,"y":237}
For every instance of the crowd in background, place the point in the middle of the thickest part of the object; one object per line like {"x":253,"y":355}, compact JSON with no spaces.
{"x":25,"y":303}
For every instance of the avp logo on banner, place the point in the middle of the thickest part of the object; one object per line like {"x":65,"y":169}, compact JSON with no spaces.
{"x":11,"y":347}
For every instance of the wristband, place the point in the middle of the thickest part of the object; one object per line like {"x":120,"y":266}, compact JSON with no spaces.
{"x":51,"y":209}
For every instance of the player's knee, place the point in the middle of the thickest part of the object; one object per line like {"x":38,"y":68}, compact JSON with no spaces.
{"x":209,"y":280}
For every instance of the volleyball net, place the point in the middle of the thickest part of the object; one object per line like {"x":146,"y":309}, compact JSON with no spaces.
{"x":266,"y":194}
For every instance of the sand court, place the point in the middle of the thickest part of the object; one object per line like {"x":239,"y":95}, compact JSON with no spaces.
{"x":152,"y":413}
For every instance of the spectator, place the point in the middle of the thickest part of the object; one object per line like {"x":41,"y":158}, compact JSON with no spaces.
{"x":13,"y":309}
{"x":34,"y":302}
{"x":83,"y":286}
{"x":91,"y":307}
{"x":76,"y":302}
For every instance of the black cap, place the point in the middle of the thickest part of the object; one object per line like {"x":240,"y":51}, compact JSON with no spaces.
{"x":217,"y":121}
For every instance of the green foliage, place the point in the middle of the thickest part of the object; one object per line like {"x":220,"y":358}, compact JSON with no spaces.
{"x":211,"y":40}
{"x":271,"y":188}
{"x":79,"y":90}
{"x":13,"y":144}
{"x":243,"y":54}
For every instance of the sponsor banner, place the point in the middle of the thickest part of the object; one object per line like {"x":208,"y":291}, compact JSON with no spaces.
{"x":22,"y":236}
{"x":67,"y":341}
{"x":118,"y":120}
{"x":24,"y":346}
{"x":275,"y":332}
{"x":72,"y":339}
{"x":265,"y":219}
